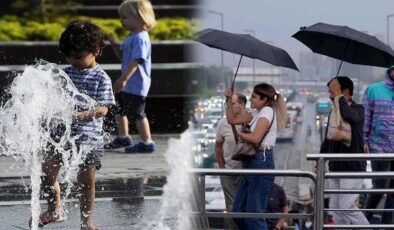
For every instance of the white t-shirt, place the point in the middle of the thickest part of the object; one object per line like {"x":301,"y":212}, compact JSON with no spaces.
{"x":266,"y":112}
{"x":224,"y":134}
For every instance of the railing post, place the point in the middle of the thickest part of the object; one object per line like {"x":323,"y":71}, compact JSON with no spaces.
{"x":201,"y":189}
{"x":319,"y":195}
{"x":200,"y":221}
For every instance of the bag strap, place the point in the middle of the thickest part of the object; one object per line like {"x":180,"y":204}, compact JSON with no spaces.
{"x":266,"y":133}
{"x":234,"y":133}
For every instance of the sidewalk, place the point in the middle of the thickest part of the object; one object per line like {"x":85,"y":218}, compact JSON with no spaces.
{"x":121,"y":175}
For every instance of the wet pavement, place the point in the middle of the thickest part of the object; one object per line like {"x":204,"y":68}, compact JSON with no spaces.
{"x":121,"y":175}
{"x":127,"y":187}
{"x":109,"y":214}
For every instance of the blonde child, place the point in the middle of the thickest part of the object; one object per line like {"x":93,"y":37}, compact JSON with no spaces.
{"x":133,"y":85}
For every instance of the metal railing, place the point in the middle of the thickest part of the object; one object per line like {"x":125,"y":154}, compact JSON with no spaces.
{"x":318,"y":178}
{"x":321,"y":175}
{"x":203,"y":214}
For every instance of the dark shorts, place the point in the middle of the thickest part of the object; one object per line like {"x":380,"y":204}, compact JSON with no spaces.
{"x":92,"y":159}
{"x":130,"y":105}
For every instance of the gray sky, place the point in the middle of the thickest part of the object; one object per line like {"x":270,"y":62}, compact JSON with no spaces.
{"x":277,"y":20}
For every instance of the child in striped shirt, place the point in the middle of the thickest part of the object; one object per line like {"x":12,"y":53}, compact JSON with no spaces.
{"x":81,"y":43}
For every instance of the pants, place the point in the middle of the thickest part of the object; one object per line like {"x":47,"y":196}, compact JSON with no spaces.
{"x":346,"y":201}
{"x":252,"y":193}
{"x":374,"y":199}
{"x":229,"y":185}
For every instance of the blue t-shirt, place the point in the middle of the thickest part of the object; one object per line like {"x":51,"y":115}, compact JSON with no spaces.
{"x":137,"y":46}
{"x":95,"y":83}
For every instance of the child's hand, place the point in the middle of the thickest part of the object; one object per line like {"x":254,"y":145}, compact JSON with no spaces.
{"x":119,"y":85}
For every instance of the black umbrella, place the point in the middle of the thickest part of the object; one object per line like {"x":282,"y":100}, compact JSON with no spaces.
{"x":346,"y":44}
{"x":245,"y":45}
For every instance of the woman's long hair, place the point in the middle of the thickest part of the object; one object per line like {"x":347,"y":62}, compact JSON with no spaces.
{"x":275,"y":100}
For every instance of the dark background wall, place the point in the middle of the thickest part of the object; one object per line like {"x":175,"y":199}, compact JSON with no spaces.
{"x":108,"y":8}
{"x":176,"y":80}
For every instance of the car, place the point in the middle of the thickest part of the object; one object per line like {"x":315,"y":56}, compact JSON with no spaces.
{"x":288,"y":133}
{"x":211,"y":135}
{"x":207,"y":157}
{"x":298,"y":107}
{"x":323,"y":107}
{"x":214,"y":115}
{"x":200,"y":136}
{"x":206,"y":124}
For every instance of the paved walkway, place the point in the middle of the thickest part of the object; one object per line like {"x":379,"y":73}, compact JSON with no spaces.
{"x":118,"y":168}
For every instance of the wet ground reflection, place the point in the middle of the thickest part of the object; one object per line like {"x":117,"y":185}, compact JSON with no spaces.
{"x":109,"y":214}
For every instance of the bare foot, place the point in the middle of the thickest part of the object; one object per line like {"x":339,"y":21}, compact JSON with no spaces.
{"x":49,"y":217}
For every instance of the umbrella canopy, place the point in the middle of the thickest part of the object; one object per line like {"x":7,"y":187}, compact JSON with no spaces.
{"x":245,"y":45}
{"x":346,"y":44}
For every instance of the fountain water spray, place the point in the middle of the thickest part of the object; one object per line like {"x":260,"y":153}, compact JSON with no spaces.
{"x":43,"y":99}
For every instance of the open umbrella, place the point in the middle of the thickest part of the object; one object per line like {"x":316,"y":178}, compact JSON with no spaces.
{"x":245,"y":45}
{"x":346,"y":44}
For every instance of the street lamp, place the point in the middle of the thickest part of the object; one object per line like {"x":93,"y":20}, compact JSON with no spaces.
{"x":388,"y":28}
{"x":254,"y":61}
{"x":222,"y":28}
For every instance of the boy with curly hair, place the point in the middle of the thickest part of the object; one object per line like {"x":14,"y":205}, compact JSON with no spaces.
{"x":81,"y":43}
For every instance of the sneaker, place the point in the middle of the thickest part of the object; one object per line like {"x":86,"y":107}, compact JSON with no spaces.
{"x":119,"y":142}
{"x":141,"y":147}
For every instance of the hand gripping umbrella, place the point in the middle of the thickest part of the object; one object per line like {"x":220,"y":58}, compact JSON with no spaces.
{"x":346,"y":44}
{"x":245,"y":45}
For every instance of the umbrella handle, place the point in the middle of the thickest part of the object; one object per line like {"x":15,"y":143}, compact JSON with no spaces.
{"x":344,"y":53}
{"x":235,"y":75}
{"x":340,"y":65}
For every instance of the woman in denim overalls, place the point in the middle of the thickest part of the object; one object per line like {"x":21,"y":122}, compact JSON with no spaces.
{"x":267,"y":107}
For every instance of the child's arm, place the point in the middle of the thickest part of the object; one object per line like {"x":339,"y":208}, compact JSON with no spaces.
{"x":126,"y":75}
{"x":114,"y":46}
{"x":97,"y":112}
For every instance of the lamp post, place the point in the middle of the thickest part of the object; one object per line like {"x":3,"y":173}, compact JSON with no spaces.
{"x":254,"y":61}
{"x":221,"y":28}
{"x":388,"y":28}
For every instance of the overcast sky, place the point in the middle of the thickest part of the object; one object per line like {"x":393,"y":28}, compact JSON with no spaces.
{"x":277,"y":20}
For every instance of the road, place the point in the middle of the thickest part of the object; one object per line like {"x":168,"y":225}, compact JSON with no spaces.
{"x":292,"y":155}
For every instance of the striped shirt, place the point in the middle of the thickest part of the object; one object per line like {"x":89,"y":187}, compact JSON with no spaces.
{"x":96,"y":84}
{"x":378,"y":102}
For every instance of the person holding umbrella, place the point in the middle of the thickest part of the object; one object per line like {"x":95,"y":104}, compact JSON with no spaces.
{"x":267,"y":116}
{"x":341,"y":89}
{"x":379,"y":138}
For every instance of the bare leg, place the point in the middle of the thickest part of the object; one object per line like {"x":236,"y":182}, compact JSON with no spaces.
{"x":87,"y":190}
{"x":51,"y":187}
{"x":123,"y":126}
{"x":144,"y":129}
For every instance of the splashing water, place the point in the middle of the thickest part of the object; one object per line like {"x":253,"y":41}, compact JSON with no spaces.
{"x":43,"y":100}
{"x":178,"y":191}
{"x":179,"y":188}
